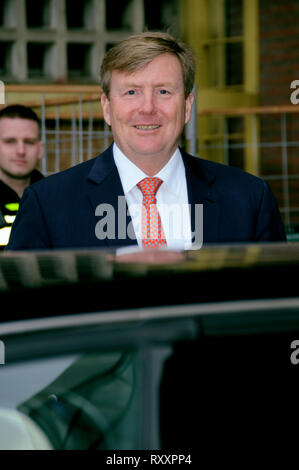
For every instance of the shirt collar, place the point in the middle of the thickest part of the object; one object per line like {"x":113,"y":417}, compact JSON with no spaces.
{"x":172,"y":173}
{"x":130,"y":174}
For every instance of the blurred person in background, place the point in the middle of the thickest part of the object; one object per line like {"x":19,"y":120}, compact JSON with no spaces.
{"x":21,"y":150}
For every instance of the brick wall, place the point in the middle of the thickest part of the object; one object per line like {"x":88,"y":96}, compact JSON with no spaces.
{"x":279,"y":66}
{"x":279,"y":49}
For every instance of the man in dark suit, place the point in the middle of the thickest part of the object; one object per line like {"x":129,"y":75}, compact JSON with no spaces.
{"x":147,"y":83}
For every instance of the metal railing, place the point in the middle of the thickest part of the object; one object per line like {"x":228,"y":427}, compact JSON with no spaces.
{"x":271,"y":148}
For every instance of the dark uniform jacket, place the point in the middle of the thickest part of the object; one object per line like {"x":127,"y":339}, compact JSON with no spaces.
{"x":9,"y":205}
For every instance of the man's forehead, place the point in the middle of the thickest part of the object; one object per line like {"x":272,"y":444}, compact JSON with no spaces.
{"x":159,"y":67}
{"x":15,"y":126}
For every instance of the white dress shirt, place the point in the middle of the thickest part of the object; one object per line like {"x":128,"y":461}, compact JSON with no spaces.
{"x":172,"y":198}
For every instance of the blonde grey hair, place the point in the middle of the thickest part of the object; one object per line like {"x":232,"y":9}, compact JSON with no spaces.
{"x":137,"y":51}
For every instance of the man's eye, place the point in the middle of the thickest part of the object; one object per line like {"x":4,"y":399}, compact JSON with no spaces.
{"x":163,"y":92}
{"x":131,"y":92}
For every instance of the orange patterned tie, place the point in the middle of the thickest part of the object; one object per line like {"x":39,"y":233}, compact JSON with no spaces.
{"x":152,"y":230}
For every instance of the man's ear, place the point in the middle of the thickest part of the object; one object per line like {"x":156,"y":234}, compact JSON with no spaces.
{"x":106,"y":108}
{"x":188,"y":109}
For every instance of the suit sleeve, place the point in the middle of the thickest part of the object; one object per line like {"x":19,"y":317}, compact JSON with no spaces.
{"x":269,"y":226}
{"x":29,"y":230}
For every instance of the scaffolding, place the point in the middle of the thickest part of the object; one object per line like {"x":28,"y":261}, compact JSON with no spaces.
{"x":271,"y":151}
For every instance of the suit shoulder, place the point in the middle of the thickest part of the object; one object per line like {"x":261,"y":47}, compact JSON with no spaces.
{"x":72,"y":175}
{"x":224,"y":173}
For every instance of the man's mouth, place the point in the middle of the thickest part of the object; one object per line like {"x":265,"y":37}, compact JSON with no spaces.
{"x":149,"y":127}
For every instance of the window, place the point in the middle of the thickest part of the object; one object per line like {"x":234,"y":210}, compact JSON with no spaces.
{"x":79,"y":14}
{"x":7,"y":14}
{"x":39,"y":59}
{"x":161,"y":15}
{"x":119,"y":14}
{"x":79,"y":60}
{"x":234,"y":51}
{"x":6,"y":58}
{"x":38,"y":13}
{"x":224,"y":45}
{"x":235,"y":133}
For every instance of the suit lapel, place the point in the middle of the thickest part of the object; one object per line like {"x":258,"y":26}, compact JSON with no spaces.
{"x":201,"y":190}
{"x":108,"y":202}
{"x":106,"y":193}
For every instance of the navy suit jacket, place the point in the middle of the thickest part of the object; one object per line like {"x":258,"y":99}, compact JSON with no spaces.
{"x":60,"y":211}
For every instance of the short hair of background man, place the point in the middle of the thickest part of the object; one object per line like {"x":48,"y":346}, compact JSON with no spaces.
{"x":137,"y":51}
{"x":19,"y":111}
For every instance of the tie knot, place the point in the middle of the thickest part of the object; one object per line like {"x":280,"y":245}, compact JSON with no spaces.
{"x":149,"y":186}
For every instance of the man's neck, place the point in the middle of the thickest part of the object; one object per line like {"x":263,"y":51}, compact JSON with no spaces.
{"x":17,"y":185}
{"x":150,"y":165}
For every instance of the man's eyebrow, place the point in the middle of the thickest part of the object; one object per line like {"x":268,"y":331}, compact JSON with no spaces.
{"x":128,"y":85}
{"x":173,"y":85}
{"x":156,"y":85}
{"x":13,"y":137}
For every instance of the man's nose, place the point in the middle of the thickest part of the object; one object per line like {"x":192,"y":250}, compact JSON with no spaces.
{"x":148,"y":103}
{"x":21,"y":147}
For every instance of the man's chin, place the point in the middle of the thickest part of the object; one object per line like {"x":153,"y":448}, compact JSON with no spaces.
{"x":150,"y":150}
{"x":18,"y":174}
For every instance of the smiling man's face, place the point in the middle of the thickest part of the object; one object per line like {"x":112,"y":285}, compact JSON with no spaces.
{"x":147,"y":110}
